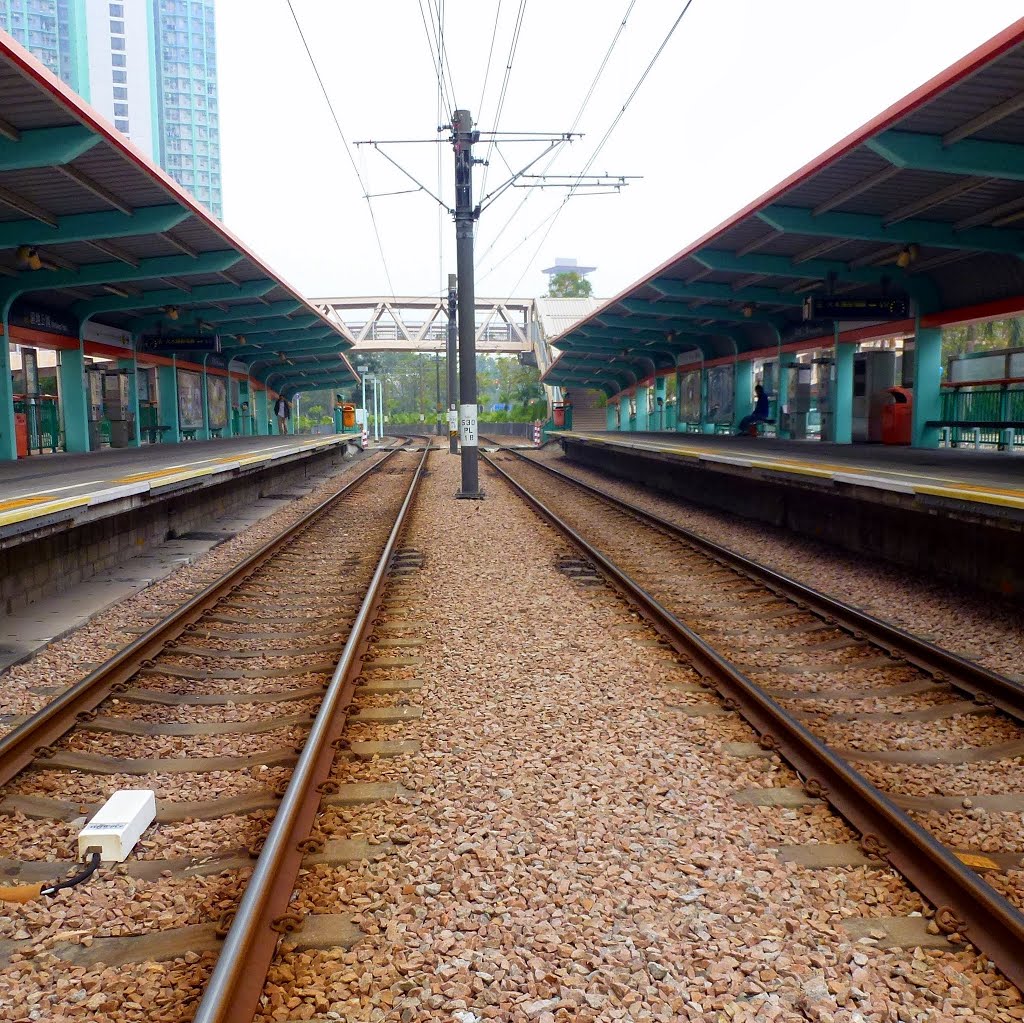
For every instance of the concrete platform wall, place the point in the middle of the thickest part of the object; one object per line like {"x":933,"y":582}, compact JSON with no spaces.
{"x":50,"y":564}
{"x":940,"y":539}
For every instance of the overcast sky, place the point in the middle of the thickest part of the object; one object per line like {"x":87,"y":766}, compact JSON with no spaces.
{"x":745,"y":92}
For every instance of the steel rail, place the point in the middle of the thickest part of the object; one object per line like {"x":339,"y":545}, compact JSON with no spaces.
{"x":977,"y":681}
{"x":964,"y":903}
{"x":32,"y":738}
{"x":233,"y":992}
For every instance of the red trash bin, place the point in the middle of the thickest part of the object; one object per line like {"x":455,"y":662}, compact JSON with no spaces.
{"x":558,"y":414}
{"x":21,"y":434}
{"x":897,"y":416}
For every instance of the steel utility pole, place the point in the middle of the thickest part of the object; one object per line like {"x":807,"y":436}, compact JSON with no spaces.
{"x":453,"y":366}
{"x":465,"y":215}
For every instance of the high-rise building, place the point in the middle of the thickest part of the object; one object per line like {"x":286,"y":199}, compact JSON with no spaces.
{"x":149,"y":66}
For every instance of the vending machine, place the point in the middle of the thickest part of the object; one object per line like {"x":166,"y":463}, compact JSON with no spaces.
{"x":794,"y":414}
{"x":118,"y":400}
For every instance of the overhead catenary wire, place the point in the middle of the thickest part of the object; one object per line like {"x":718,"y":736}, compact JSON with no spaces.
{"x":576,"y":120}
{"x":514,"y":46}
{"x":490,"y":57}
{"x":434,"y":46}
{"x":344,"y":141}
{"x":604,"y":140}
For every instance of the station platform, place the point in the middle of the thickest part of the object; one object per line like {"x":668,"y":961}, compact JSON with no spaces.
{"x":77,"y":486}
{"x":953,"y":512}
{"x":65,"y":518}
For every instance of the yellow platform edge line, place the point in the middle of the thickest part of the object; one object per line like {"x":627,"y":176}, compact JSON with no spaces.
{"x":39,"y":510}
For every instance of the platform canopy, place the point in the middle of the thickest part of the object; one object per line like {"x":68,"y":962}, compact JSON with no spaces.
{"x":93,"y":232}
{"x":925,"y":203}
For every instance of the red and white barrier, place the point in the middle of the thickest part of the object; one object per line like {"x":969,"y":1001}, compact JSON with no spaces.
{"x":365,"y":437}
{"x":537,"y":432}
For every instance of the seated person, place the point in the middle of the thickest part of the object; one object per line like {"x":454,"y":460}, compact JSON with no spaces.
{"x":760,"y":413}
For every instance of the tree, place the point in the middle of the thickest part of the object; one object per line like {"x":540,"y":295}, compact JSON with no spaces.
{"x":569,"y":284}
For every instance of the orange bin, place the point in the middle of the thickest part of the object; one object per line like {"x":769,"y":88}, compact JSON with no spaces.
{"x":897,"y":416}
{"x":348,"y":415}
{"x":21,"y":434}
{"x":558,"y":414}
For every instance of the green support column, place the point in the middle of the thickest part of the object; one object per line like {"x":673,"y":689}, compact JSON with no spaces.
{"x":133,"y":395}
{"x":167,"y":400}
{"x":742,"y":391}
{"x":611,"y":416}
{"x":927,"y":385}
{"x":842,"y":394}
{"x":642,"y":419}
{"x":8,"y":442}
{"x":786,"y":360}
{"x":204,"y":433}
{"x":244,"y":415}
{"x":262,"y":411}
{"x":659,"y":410}
{"x":73,"y":399}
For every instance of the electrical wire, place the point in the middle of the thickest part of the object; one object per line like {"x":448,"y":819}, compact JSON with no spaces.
{"x":435,"y":59}
{"x":607,"y":135}
{"x":348,"y":149}
{"x":516,"y":32}
{"x":490,"y":55}
{"x":442,"y":46}
{"x":576,"y":120}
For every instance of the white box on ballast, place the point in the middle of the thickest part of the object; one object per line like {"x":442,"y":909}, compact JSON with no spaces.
{"x":118,"y":824}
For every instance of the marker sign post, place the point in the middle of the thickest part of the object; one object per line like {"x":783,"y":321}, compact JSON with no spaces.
{"x":467,"y":425}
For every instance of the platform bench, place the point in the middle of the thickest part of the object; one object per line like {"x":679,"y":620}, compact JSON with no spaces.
{"x":1006,"y":428}
{"x":155,"y":433}
{"x":216,"y":431}
{"x":189,"y":433}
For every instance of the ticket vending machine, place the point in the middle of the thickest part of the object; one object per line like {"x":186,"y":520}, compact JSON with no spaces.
{"x":794,"y":415}
{"x":874,"y":372}
{"x":118,"y":401}
{"x":95,"y":388}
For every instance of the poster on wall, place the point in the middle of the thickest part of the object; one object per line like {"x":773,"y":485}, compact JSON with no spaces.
{"x":190,"y":400}
{"x":30,"y":362}
{"x":217,"y":398}
{"x":720,"y":397}
{"x":689,"y":397}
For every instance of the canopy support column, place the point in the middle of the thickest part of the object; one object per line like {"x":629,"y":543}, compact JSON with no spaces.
{"x":842,"y":392}
{"x":742,"y":391}
{"x":659,"y":403}
{"x":927,"y":385}
{"x":74,"y":399}
{"x":8,"y":442}
{"x":786,"y":361}
{"x":643,"y":420}
{"x":262,"y":412}
{"x":167,"y":400}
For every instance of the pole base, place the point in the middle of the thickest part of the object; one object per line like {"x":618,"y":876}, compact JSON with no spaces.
{"x":463,"y":496}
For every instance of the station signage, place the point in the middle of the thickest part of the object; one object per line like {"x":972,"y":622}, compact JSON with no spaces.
{"x":186,"y":344}
{"x":46,"y":321}
{"x":849,"y":307}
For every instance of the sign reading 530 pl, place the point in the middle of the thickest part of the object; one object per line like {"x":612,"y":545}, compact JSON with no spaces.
{"x":467,"y":425}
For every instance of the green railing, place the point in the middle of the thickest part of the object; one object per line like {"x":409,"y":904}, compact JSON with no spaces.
{"x":45,"y":432}
{"x":988,"y":403}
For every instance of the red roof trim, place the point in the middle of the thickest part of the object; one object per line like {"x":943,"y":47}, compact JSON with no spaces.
{"x":38,"y":73}
{"x":1011,"y":36}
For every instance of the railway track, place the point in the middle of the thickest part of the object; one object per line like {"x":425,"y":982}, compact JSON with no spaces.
{"x":874,"y":720}
{"x":232,"y":709}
